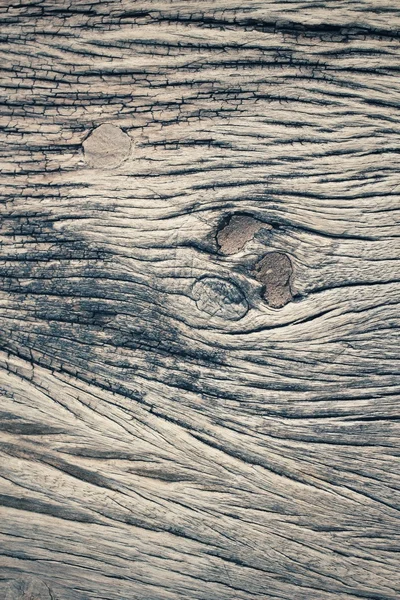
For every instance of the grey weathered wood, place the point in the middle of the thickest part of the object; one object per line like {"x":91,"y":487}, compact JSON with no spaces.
{"x":178,"y":419}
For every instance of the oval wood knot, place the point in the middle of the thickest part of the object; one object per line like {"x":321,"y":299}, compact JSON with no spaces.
{"x":107,"y":147}
{"x":274,"y":271}
{"x":236,"y":231}
{"x":220,"y":297}
{"x":28,"y":588}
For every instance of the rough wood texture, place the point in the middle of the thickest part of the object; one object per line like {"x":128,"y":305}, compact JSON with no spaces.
{"x":165,"y":432}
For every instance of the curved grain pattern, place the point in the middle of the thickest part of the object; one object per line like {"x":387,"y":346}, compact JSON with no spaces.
{"x":180,"y":420}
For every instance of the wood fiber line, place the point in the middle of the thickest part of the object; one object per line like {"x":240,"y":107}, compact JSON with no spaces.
{"x":199,"y":300}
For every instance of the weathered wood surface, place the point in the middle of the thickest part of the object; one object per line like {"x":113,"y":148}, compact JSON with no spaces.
{"x":199,"y":300}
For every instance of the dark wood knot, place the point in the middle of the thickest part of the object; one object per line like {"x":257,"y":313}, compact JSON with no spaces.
{"x":220,"y":297}
{"x":274,"y":271}
{"x":236,"y":231}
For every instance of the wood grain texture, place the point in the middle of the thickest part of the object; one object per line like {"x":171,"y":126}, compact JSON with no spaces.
{"x":167,"y":430}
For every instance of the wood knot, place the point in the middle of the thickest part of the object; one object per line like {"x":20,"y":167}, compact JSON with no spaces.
{"x":235,"y":232}
{"x":107,"y":147}
{"x":274,"y":271}
{"x":28,"y":588}
{"x":220,"y":297}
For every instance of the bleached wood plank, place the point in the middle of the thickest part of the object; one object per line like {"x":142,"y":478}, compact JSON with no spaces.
{"x":173,"y":423}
